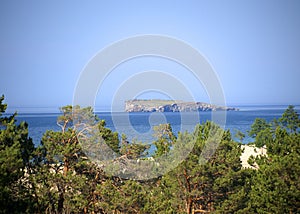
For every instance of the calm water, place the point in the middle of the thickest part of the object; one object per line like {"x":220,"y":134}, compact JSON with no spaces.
{"x":139,"y":125}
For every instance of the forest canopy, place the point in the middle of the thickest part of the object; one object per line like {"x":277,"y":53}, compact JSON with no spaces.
{"x":58,"y":177}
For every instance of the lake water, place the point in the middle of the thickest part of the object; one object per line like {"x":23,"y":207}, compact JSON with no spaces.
{"x":140,"y":124}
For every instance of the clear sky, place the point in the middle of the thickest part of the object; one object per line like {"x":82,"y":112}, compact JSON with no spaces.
{"x":254,"y":46}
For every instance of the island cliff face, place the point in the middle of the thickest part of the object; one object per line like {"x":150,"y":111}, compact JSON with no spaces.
{"x":171,"y":106}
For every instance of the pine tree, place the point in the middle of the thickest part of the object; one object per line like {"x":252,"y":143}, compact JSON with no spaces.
{"x":258,"y":126}
{"x":15,"y":155}
{"x":197,"y":185}
{"x":59,"y":188}
{"x":290,"y":119}
{"x":275,"y":186}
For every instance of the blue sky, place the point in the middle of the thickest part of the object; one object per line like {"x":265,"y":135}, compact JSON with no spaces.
{"x":253,"y":46}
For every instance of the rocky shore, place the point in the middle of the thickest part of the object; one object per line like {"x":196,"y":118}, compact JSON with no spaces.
{"x":171,"y":106}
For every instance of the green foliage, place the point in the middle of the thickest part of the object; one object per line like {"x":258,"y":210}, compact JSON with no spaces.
{"x":240,"y":135}
{"x":15,"y":153}
{"x":258,"y":126}
{"x":133,"y":150}
{"x":59,"y":188}
{"x":290,"y":119}
{"x":57,"y":177}
{"x":111,"y":138}
{"x":202,"y":187}
{"x":264,"y":137}
{"x":275,"y":186}
{"x":2,"y":106}
{"x":165,"y":139}
{"x":236,"y":202}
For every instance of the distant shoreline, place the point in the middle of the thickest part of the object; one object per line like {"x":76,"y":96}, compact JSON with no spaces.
{"x":156,"y":105}
{"x":106,"y":109}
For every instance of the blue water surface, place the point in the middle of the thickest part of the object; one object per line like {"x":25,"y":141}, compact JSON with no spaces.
{"x":139,"y":126}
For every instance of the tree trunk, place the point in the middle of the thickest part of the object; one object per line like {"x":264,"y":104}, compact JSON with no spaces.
{"x":189,"y":200}
{"x":60,"y":206}
{"x":189,"y":205}
{"x":66,"y":166}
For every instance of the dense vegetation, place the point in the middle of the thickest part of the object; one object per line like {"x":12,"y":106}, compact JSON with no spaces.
{"x":57,"y":177}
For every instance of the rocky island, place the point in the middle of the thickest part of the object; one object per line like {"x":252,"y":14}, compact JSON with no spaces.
{"x":138,"y":105}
